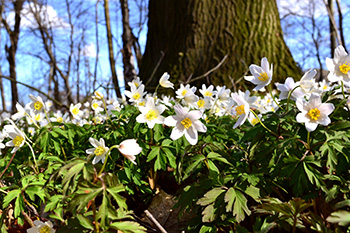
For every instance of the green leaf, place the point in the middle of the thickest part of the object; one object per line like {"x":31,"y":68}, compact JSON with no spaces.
{"x":341,"y":217}
{"x":19,"y":206}
{"x":254,"y":192}
{"x":118,"y":198}
{"x":240,"y":206}
{"x":218,"y":157}
{"x":210,"y":196}
{"x":154,"y":152}
{"x":85,"y":222}
{"x":10,"y":196}
{"x":230,"y":198}
{"x":128,"y":227}
{"x":207,"y":229}
{"x":212,"y":167}
{"x":209,"y":213}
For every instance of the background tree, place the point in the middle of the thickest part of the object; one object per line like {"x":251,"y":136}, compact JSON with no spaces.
{"x":11,"y":49}
{"x":189,"y":37}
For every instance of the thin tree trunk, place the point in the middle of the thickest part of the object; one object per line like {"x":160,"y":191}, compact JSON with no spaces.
{"x":341,"y":29}
{"x":128,"y":58}
{"x":2,"y":93}
{"x":332,"y":29}
{"x":110,"y":49}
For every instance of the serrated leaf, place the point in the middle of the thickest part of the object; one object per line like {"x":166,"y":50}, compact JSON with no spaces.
{"x":230,"y":198}
{"x":208,"y":213}
{"x":118,"y":198}
{"x":85,"y":222}
{"x":154,"y":152}
{"x":128,"y":227}
{"x":218,"y":157}
{"x":19,"y":206}
{"x":341,"y":217}
{"x":254,"y":192}
{"x":240,"y":206}
{"x":210,"y":196}
{"x":10,"y":196}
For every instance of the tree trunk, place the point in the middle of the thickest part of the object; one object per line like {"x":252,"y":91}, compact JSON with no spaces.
{"x":187,"y":38}
{"x":332,"y":29}
{"x":110,"y":49}
{"x":11,"y":51}
{"x":128,"y":38}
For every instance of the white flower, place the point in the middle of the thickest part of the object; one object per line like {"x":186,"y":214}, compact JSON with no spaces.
{"x":185,"y":90}
{"x":150,"y":113}
{"x":262,"y":76}
{"x":136,"y":94}
{"x":222,"y":97}
{"x":207,"y":92}
{"x":100,"y":150}
{"x":41,"y":227}
{"x":241,"y":110}
{"x":314,"y":112}
{"x":252,"y":118}
{"x":186,"y":123}
{"x":339,"y":66}
{"x":98,"y":95}
{"x":17,"y":136}
{"x":37,"y":103}
{"x":96,"y":106}
{"x":287,"y":87}
{"x":307,"y":82}
{"x":204,"y":103}
{"x":129,"y":148}
{"x":164,"y":81}
{"x":2,"y":145}
{"x":75,"y":110}
{"x":59,"y":117}
{"x":135,"y":82}
{"x":21,"y":112}
{"x":115,"y":106}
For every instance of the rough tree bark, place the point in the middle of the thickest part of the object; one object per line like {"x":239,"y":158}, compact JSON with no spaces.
{"x":11,"y":51}
{"x":189,"y":37}
{"x":110,"y":49}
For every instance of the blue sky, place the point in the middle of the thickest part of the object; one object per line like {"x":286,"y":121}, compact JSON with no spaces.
{"x":30,"y":68}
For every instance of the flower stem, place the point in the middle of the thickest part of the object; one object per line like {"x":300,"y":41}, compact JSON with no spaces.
{"x":104,"y":164}
{"x":263,"y":124}
{"x":36,"y":165}
{"x":308,"y":140}
{"x":273,"y":96}
{"x":342,"y":89}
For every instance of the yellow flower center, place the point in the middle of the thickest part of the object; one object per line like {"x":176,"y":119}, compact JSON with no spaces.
{"x":95,"y":105}
{"x":18,"y":140}
{"x":99,"y":151}
{"x":186,"y":123}
{"x":136,"y":96}
{"x":344,"y":68}
{"x":208,"y":93}
{"x":255,"y":121}
{"x":143,"y":103}
{"x":136,"y":84}
{"x":59,"y":119}
{"x":38,"y":105}
{"x":75,"y":111}
{"x":45,"y":229}
{"x":184,"y":92}
{"x":151,"y":115}
{"x":200,"y":103}
{"x":314,"y":114}
{"x":240,"y":110}
{"x":263,"y":77}
{"x":37,"y":117}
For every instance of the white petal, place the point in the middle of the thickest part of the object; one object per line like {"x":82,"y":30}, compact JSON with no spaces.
{"x":170,"y":121}
{"x":310,"y":126}
{"x":176,"y":133}
{"x":191,"y":135}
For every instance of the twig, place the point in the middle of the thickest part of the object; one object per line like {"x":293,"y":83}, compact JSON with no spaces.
{"x":7,"y":166}
{"x":150,"y":216}
{"x":210,"y":71}
{"x":155,"y":68}
{"x":35,"y":89}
